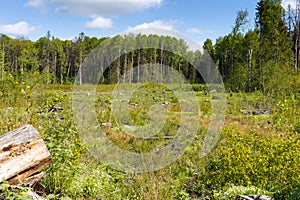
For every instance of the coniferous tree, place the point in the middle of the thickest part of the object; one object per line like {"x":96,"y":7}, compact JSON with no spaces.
{"x":275,"y":55}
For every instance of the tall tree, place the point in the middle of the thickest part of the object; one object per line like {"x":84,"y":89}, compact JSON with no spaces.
{"x":209,"y":48}
{"x":80,"y":54}
{"x":275,"y":55}
{"x":240,"y":21}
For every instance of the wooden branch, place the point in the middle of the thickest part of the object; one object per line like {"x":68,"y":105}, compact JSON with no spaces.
{"x":32,"y":180}
{"x":253,"y":197}
{"x":22,"y":153}
{"x":156,"y":138}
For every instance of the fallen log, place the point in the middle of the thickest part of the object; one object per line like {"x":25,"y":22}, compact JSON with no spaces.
{"x":156,"y":138}
{"x":256,"y":112}
{"x":22,"y":154}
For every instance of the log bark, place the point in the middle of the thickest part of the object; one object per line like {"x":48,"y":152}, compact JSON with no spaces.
{"x":22,"y":153}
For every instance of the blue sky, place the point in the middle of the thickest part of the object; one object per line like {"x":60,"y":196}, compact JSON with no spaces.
{"x":65,"y":19}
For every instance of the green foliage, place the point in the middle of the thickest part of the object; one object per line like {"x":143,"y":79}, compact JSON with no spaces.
{"x":251,"y":158}
{"x":205,"y":107}
{"x":286,"y":114}
{"x":274,"y":67}
{"x":199,"y":87}
{"x":209,"y":48}
{"x":59,"y":132}
{"x":13,"y":192}
{"x":295,"y":194}
{"x":99,"y":181}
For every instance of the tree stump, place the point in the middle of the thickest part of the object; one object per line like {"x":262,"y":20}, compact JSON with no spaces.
{"x":22,"y":154}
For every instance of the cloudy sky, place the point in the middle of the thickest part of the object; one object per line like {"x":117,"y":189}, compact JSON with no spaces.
{"x":197,"y":19}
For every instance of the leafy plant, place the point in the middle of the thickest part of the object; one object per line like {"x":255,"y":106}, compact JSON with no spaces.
{"x":13,"y":192}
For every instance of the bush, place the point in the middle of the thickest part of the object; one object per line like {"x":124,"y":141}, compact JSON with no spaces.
{"x":286,"y":114}
{"x":199,"y":87}
{"x":99,"y":181}
{"x":270,"y":162}
{"x":14,"y":192}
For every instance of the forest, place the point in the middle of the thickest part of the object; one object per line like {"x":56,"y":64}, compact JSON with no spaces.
{"x":256,"y":153}
{"x":264,"y":58}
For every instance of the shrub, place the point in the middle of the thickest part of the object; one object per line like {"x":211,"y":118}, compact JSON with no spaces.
{"x":271,"y":162}
{"x":14,"y":192}
{"x":285,"y":114}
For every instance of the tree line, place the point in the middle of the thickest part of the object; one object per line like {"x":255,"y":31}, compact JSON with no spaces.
{"x":263,"y":58}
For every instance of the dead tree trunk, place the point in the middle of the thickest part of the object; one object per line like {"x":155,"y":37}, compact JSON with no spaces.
{"x":250,"y":51}
{"x":22,"y":154}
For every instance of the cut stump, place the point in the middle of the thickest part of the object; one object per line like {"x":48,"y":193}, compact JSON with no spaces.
{"x":22,"y":154}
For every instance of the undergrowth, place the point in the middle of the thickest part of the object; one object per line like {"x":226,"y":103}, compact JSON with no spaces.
{"x":255,"y":154}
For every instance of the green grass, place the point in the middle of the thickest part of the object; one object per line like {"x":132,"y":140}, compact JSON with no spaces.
{"x":259,"y":152}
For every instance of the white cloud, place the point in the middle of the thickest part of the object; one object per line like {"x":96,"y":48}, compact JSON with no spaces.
{"x":100,"y":22}
{"x":39,"y":4}
{"x":157,"y":24}
{"x":20,"y":28}
{"x":286,"y":3}
{"x":36,"y":3}
{"x":199,"y":31}
{"x":96,"y":9}
{"x":108,"y":8}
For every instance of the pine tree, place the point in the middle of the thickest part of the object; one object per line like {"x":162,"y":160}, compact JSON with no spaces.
{"x":275,"y":54}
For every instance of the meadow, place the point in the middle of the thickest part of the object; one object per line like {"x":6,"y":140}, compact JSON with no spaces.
{"x":255,"y":154}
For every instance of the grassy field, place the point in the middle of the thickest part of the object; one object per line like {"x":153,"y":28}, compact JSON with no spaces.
{"x":254,"y":154}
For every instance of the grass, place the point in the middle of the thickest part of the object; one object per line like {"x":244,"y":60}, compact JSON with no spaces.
{"x":257,"y":152}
